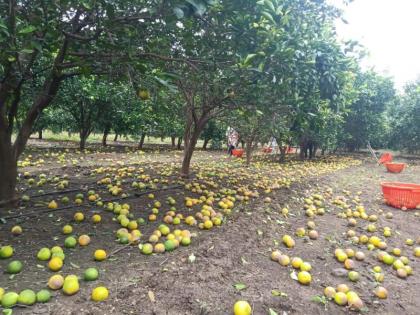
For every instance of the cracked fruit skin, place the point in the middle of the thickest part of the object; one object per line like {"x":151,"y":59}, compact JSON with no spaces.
{"x":242,"y":308}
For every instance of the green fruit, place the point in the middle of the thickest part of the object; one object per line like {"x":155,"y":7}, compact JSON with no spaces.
{"x":6,"y":252}
{"x":59,"y":254}
{"x":91,"y":274}
{"x":70,"y":242}
{"x":124,"y":239}
{"x":169,"y":245}
{"x":65,"y":200}
{"x":185,"y":241}
{"x":27,"y":297}
{"x":354,"y":276}
{"x":9,"y":299}
{"x":14,"y":267}
{"x":44,"y":254}
{"x":147,"y":249}
{"x":43,"y":296}
{"x":141,"y":221}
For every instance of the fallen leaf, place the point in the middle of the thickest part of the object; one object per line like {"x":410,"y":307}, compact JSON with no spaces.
{"x":151,"y":296}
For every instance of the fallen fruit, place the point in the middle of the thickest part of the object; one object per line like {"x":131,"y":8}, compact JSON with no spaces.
{"x":381,"y":292}
{"x":304,"y":277}
{"x":27,"y":297}
{"x":99,"y":294}
{"x":242,"y":308}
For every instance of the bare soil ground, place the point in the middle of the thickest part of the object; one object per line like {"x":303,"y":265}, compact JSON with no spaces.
{"x":237,"y":252}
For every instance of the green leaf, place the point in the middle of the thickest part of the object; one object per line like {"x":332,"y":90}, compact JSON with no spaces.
{"x":268,"y":16}
{"x":249,"y":58}
{"x":278,"y":293}
{"x":272,"y":312}
{"x":239,"y":286}
{"x":7,"y":311}
{"x":28,"y":29}
{"x":27,"y":51}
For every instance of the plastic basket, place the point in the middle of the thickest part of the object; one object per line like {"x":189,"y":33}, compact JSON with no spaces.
{"x":385,"y":158}
{"x":401,"y":195}
{"x":237,"y":152}
{"x":395,"y":167}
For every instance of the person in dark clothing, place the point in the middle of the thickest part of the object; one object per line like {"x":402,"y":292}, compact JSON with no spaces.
{"x":231,"y":148}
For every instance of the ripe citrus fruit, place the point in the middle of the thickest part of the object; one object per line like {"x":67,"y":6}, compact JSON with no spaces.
{"x":6,"y":252}
{"x":55,"y":264}
{"x":84,"y":240}
{"x":242,"y":308}
{"x":99,"y":255}
{"x":16,"y":230}
{"x":96,"y":218}
{"x":340,"y":298}
{"x":71,"y":285}
{"x":67,"y":229}
{"x":56,"y":282}
{"x":304,"y":277}
{"x":79,"y":217}
{"x":147,"y":249}
{"x":100,"y":294}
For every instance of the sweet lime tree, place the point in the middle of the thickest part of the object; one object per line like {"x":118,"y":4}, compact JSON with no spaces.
{"x":48,"y":42}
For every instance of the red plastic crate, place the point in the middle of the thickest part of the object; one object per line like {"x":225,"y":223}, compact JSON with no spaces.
{"x":237,"y":152}
{"x":401,"y":195}
{"x":395,"y":167}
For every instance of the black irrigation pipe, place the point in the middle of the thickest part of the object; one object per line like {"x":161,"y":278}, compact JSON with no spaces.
{"x":40,"y":212}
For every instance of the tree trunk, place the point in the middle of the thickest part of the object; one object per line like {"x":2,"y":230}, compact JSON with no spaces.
{"x":206,"y":142}
{"x":248,"y":151}
{"x":40,"y":134}
{"x":82,"y":143}
{"x":105,"y":136}
{"x":141,"y":142}
{"x":323,"y":151}
{"x":173,"y":138}
{"x":282,"y":153}
{"x":8,"y":171}
{"x":189,"y":147}
{"x":191,"y":134}
{"x":178,"y":146}
{"x":116,"y":137}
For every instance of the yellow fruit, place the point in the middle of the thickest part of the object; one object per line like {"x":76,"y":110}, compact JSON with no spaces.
{"x":99,"y":294}
{"x":55,"y":282}
{"x":16,"y":230}
{"x":340,"y":298}
{"x":71,"y":285}
{"x":288,"y":241}
{"x":2,"y":291}
{"x":305,"y":266}
{"x":417,"y":251}
{"x":381,"y":292}
{"x":242,"y":308}
{"x":284,"y":260}
{"x":6,"y":252}
{"x":343,"y":288}
{"x":208,"y":224}
{"x":96,"y":218}
{"x":296,"y":262}
{"x":53,"y":205}
{"x":84,"y":240}
{"x":354,"y":300}
{"x":67,"y":229}
{"x":55,"y":264}
{"x":304,"y":277}
{"x":99,"y":255}
{"x":329,"y":292}
{"x":79,"y":217}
